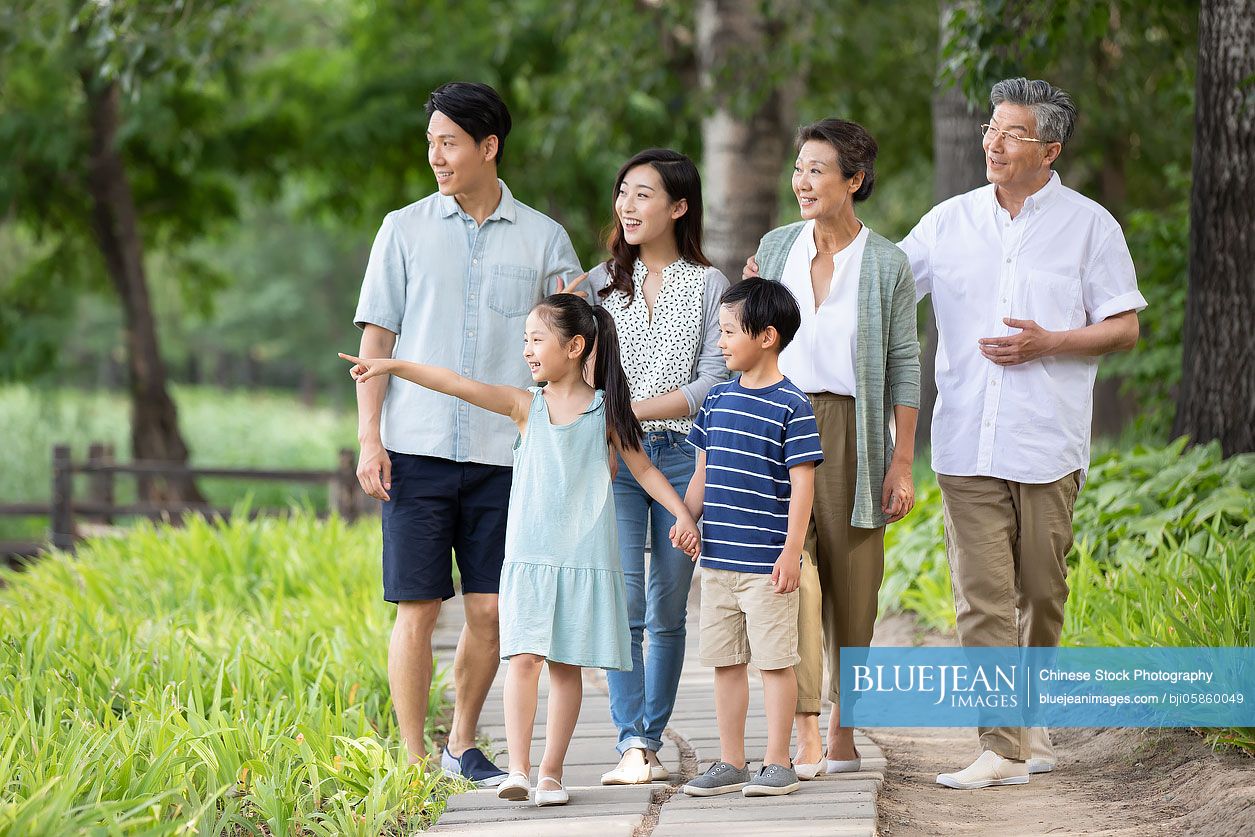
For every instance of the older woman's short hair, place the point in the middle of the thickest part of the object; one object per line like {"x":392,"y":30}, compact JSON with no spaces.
{"x":1052,"y":107}
{"x":856,"y":149}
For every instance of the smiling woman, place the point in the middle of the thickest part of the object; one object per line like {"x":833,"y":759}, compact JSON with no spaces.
{"x":857,"y":358}
{"x":664,"y":297}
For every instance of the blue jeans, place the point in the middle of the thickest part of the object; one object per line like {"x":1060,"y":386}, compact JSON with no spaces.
{"x":641,"y":700}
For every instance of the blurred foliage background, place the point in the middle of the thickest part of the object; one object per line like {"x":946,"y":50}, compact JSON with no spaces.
{"x":265,"y":142}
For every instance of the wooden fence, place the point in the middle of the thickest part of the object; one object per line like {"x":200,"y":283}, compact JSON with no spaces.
{"x":69,"y":517}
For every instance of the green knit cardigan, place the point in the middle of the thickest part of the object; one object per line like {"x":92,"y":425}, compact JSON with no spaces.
{"x":886,"y":357}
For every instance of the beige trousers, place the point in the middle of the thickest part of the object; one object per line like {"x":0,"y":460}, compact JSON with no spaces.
{"x":1007,"y":543}
{"x":842,"y":566}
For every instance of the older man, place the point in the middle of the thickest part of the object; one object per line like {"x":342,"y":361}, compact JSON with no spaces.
{"x":1031,"y":283}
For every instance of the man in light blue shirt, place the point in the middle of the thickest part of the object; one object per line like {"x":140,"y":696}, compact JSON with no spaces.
{"x":450,"y":281}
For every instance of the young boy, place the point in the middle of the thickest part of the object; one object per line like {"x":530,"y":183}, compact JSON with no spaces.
{"x":758,"y":446}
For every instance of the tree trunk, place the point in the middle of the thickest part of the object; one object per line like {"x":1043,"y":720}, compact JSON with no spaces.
{"x":154,"y":419}
{"x":958,"y":167}
{"x":743,"y":153}
{"x":1217,"y":396}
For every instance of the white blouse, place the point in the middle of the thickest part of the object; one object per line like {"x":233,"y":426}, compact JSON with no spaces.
{"x":821,"y":356}
{"x":659,"y":353}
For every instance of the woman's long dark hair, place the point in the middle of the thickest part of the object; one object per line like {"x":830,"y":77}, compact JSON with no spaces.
{"x":681,"y":181}
{"x":568,"y":315}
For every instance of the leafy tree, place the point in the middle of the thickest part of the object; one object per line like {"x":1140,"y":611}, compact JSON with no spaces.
{"x":126,"y":127}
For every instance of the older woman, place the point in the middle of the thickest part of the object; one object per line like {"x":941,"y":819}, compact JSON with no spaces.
{"x":857,"y":356}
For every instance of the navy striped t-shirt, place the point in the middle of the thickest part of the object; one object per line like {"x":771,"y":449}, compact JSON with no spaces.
{"x":751,"y":438}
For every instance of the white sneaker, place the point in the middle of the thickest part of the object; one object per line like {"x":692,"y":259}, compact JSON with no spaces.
{"x":1041,"y":753}
{"x":989,"y":770}
{"x":551,"y":797}
{"x":515,"y":788}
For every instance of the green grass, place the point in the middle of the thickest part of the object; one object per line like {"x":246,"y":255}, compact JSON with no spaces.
{"x":1164,"y":555}
{"x":224,"y":678}
{"x":236,"y":429}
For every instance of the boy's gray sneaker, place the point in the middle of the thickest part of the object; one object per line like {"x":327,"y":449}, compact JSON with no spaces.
{"x":720,"y":777}
{"x":772,"y":780}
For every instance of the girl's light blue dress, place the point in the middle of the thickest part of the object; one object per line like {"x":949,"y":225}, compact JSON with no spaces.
{"x":562,"y":592}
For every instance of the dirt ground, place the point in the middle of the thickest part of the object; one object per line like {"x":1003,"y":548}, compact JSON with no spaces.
{"x":1111,"y":782}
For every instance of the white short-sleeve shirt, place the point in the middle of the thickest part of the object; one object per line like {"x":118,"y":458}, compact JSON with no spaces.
{"x":1062,"y":262}
{"x":821,"y":356}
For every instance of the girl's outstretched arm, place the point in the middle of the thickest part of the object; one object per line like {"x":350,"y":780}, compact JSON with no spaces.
{"x":685,"y":535}
{"x":506,"y":400}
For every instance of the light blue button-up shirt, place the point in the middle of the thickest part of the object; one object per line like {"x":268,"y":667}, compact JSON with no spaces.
{"x":457,"y":295}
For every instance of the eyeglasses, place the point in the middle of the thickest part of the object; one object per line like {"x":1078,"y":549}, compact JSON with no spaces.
{"x":990,"y":131}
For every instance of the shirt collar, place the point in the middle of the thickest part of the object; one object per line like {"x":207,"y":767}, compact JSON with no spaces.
{"x":506,"y":209}
{"x":1043,"y":196}
{"x":639,"y":270}
{"x":811,"y":249}
{"x":1038,"y":200}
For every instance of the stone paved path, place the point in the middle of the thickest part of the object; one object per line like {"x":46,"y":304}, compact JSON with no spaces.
{"x":832,"y":805}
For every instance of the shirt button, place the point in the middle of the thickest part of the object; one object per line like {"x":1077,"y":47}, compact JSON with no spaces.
{"x":1004,"y":299}
{"x":1008,"y":261}
{"x":476,"y":261}
{"x":470,"y":334}
{"x":987,"y":423}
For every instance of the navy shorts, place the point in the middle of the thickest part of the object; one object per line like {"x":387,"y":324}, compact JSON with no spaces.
{"x":438,"y":509}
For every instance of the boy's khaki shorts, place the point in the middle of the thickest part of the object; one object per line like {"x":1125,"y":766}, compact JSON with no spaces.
{"x":744,"y":620}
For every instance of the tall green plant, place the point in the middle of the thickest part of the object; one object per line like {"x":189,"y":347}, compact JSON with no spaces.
{"x":219,"y":679}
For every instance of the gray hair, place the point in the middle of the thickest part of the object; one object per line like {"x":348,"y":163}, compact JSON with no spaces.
{"x":1053,"y":108}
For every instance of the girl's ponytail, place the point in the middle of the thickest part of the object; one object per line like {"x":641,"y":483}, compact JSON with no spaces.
{"x":568,"y":315}
{"x":608,"y":375}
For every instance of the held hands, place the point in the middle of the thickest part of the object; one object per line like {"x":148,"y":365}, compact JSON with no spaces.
{"x":364,"y":369}
{"x":786,"y":573}
{"x":897,"y":498}
{"x":1031,"y":343}
{"x":685,"y":537}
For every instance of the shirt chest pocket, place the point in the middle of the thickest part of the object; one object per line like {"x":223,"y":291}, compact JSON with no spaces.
{"x":1053,"y":300}
{"x":512,"y":289}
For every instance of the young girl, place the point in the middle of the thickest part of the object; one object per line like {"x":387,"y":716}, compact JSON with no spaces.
{"x":562,"y":598}
{"x":664,"y":297}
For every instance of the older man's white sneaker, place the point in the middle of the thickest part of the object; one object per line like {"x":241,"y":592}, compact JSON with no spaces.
{"x":989,"y":770}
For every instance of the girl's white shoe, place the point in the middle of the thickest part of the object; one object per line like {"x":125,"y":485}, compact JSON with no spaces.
{"x":515,"y":788}
{"x":551,"y":797}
